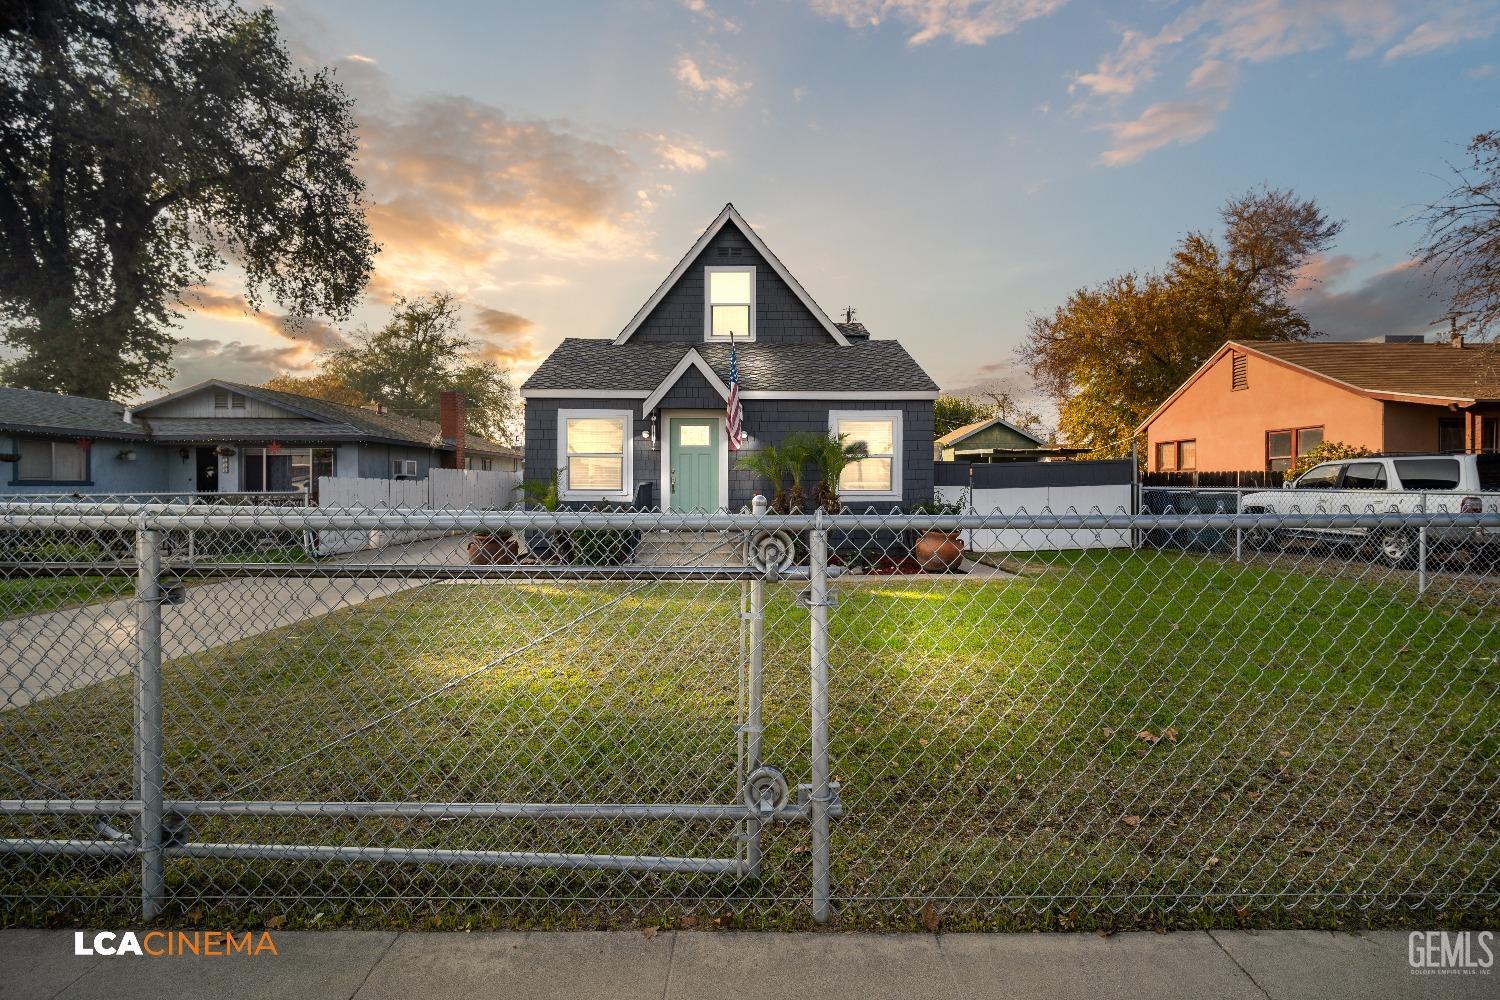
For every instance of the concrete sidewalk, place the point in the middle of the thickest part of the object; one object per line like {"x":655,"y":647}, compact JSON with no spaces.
{"x":626,"y":964}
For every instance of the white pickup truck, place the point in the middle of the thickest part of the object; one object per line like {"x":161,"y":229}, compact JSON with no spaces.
{"x":1458,"y":484}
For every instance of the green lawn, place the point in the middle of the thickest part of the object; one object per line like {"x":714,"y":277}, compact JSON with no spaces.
{"x":1109,"y":739}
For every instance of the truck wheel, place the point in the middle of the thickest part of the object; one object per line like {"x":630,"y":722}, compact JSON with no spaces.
{"x":1261,"y":539}
{"x":1398,"y":548}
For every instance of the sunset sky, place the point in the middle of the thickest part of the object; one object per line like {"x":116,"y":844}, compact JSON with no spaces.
{"x":946,"y":167}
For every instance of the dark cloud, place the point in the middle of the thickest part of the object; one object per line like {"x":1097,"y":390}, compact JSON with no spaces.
{"x":197,"y":359}
{"x":1398,"y":300}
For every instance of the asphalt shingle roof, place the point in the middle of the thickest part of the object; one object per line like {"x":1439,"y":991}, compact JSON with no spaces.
{"x":597,"y":365}
{"x":1470,"y":372}
{"x":343,"y":423}
{"x":43,"y":412}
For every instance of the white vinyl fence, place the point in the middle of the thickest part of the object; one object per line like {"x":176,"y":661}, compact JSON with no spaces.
{"x":443,"y":489}
{"x":1036,"y":488}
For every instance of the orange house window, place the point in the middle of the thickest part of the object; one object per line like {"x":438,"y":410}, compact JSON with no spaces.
{"x":1177,"y":456}
{"x":1284,"y":447}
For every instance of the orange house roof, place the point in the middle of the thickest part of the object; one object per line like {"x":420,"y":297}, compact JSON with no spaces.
{"x":1435,"y":374}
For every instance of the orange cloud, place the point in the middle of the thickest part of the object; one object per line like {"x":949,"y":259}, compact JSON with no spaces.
{"x":307,"y":333}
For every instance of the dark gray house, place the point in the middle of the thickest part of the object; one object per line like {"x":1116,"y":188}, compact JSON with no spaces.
{"x":640,"y":418}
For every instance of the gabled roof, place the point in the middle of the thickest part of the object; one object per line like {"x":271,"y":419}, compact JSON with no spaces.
{"x":30,"y":411}
{"x":731,"y":215}
{"x":958,"y":434}
{"x":590,"y":367}
{"x":336,"y":420}
{"x":690,"y":359}
{"x":1436,"y":374}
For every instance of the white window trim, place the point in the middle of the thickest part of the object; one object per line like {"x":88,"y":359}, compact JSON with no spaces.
{"x":898,"y":446}
{"x":565,"y":491}
{"x":667,"y":416}
{"x":708,"y":303}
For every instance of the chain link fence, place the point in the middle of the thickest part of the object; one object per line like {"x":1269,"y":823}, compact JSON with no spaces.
{"x":565,"y":718}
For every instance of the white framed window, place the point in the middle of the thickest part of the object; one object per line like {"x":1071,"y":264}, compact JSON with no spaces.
{"x":877,"y":477}
{"x":594,"y":454}
{"x":52,"y":461}
{"x":729,"y":303}
{"x":403,"y":468}
{"x":228,"y":403}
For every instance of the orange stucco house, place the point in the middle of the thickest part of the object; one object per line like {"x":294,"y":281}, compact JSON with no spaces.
{"x":1258,"y":405}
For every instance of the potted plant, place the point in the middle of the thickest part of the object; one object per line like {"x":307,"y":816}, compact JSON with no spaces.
{"x":770,"y":462}
{"x":545,"y":494}
{"x":494,"y":548}
{"x":939,"y":551}
{"x":833,"y":455}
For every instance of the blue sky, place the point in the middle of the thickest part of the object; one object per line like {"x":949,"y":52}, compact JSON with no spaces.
{"x":946,"y":167}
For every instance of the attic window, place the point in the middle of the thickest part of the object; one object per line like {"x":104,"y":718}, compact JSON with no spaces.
{"x":729,"y":303}
{"x":1238,"y":379}
{"x":227,"y":402}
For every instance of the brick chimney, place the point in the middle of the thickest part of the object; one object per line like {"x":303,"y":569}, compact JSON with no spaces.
{"x":1455,"y":339}
{"x":451,"y":420}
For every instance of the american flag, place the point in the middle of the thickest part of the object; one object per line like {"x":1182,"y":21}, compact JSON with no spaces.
{"x":736,"y":413}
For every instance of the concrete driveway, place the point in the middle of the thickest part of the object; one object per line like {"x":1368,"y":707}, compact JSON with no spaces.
{"x":47,"y":654}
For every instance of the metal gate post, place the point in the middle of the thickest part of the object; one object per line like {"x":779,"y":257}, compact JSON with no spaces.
{"x":1422,"y":560}
{"x":148,"y":734}
{"x":817,"y":600}
{"x":755,"y":693}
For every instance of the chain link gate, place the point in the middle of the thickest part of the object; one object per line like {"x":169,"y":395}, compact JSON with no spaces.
{"x":1120,"y":717}
{"x":166,"y":823}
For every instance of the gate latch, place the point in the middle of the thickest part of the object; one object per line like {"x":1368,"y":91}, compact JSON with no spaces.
{"x":835,"y":799}
{"x":804,"y":599}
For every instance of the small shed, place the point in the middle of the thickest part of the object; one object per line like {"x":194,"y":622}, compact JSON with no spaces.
{"x":989,"y":437}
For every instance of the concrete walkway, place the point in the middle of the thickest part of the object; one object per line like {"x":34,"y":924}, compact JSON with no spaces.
{"x":39,"y":965}
{"x":59,"y":651}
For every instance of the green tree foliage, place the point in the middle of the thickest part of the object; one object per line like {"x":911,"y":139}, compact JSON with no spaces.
{"x":143,"y":145}
{"x":418,"y":354}
{"x":770,"y":463}
{"x":1461,"y":245}
{"x":1113,"y":352}
{"x":320,"y":386}
{"x":954,"y":410}
{"x":1326,"y":451}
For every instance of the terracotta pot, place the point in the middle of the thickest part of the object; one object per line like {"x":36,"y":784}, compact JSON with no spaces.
{"x":487,"y":550}
{"x":939,"y":551}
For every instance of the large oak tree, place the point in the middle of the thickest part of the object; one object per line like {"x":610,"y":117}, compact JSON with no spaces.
{"x":143,"y":145}
{"x":1114,"y":351}
{"x":417,"y":354}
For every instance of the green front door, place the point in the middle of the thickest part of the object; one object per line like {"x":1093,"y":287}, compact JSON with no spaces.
{"x":694,"y":461}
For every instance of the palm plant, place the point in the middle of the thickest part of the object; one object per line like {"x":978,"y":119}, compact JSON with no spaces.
{"x":542,"y":493}
{"x":833,"y":455}
{"x":797,"y":449}
{"x":770,"y":462}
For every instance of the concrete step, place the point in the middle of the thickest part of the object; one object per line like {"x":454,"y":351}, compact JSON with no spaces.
{"x":689,"y":548}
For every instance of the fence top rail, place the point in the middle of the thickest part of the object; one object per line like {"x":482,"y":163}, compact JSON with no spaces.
{"x":181,"y":517}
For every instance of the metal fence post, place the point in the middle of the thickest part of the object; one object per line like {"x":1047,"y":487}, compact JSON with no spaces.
{"x":148,"y":725}
{"x":1422,"y":560}
{"x":756,"y":691}
{"x":821,"y":793}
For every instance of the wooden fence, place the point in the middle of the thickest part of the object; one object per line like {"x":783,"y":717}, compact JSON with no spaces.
{"x":443,"y":489}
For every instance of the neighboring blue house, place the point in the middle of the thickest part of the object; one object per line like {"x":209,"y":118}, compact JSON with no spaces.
{"x":640,"y":418}
{"x":219,"y":437}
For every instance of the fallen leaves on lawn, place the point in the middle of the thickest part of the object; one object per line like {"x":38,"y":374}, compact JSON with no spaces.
{"x":1131,"y":821}
{"x":930,"y":918}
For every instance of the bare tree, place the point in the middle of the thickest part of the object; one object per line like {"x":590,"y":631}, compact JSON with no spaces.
{"x":1461,"y":245}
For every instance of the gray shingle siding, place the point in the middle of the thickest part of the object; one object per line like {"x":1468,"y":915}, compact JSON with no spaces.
{"x":766,"y":421}
{"x":780,"y":317}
